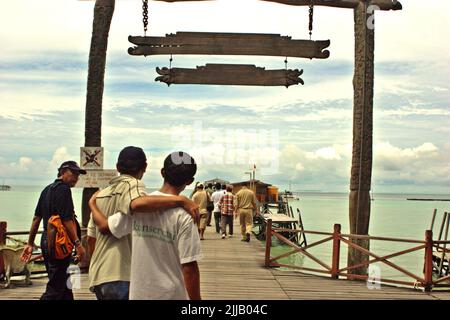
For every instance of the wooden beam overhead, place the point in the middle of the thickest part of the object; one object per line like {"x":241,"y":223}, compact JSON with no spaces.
{"x":350,"y":4}
{"x":230,"y":74}
{"x":209,"y":43}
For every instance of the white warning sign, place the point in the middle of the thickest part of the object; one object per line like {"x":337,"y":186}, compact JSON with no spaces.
{"x":96,"y":178}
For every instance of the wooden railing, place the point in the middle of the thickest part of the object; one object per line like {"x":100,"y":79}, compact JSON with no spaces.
{"x":425,"y":281}
{"x":8,"y":235}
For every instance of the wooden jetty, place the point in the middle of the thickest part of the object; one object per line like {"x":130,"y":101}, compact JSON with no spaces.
{"x":226,"y":262}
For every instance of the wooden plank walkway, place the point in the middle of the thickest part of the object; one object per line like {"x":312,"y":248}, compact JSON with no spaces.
{"x":234,"y":270}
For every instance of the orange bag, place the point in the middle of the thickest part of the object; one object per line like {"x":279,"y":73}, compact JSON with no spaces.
{"x":59,"y":244}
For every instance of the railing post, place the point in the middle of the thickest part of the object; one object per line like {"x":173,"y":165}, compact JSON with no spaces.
{"x":428,"y":268}
{"x":268,"y":241}
{"x":2,"y":243}
{"x":336,"y":251}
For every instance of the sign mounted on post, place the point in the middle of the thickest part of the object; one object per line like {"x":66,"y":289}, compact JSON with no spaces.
{"x":96,"y":179}
{"x":91,"y":158}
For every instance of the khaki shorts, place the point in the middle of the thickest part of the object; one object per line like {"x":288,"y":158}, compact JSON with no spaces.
{"x":202,"y":223}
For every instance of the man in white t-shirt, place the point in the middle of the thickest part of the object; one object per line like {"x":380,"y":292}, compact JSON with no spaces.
{"x":109,"y":279}
{"x":166,"y":246}
{"x":216,"y":197}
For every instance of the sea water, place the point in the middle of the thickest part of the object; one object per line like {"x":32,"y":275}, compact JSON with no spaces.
{"x":391,"y":216}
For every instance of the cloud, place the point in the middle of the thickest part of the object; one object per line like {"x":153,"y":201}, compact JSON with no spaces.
{"x":25,"y":169}
{"x":43,"y":73}
{"x":423,"y":165}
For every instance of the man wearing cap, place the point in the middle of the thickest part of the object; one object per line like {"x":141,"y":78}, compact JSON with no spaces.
{"x":201,"y":198}
{"x":56,"y":198}
{"x":109,"y":271}
{"x":166,"y":244}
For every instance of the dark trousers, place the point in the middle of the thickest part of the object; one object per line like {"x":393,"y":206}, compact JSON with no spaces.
{"x":208,"y":218}
{"x":217,"y":221}
{"x":116,"y":290}
{"x":227,"y":220}
{"x":57,"y":286}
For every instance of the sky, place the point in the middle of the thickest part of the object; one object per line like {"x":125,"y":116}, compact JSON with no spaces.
{"x":300,"y":136}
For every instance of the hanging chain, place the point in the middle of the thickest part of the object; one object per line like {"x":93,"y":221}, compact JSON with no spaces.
{"x":311,"y":18}
{"x":286,"y":71}
{"x":145,"y":15}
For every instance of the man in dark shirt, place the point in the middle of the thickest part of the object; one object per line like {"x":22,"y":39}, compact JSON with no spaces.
{"x":56,"y":198}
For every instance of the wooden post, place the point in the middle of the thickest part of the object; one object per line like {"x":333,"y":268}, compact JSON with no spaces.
{"x":428,"y":268}
{"x":444,"y":219}
{"x":103,"y":12}
{"x":336,"y":251}
{"x":444,"y":249}
{"x":3,"y":226}
{"x":432,"y":219}
{"x":361,"y":172}
{"x":268,"y":242}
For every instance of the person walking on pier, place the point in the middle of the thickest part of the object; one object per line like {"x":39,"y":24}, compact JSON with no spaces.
{"x":215,"y":197}
{"x":166,"y":245}
{"x":210,"y":204}
{"x":245,"y":204}
{"x":201,"y":198}
{"x":56,"y":198}
{"x":227,"y":206}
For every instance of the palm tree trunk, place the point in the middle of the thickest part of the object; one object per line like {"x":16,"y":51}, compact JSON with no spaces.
{"x":361,"y":173}
{"x":103,"y":12}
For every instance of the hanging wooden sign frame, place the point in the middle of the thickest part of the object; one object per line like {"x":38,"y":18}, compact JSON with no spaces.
{"x":350,"y":4}
{"x":230,"y":74}
{"x":211,"y":43}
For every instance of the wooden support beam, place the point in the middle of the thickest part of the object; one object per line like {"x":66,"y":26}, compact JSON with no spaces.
{"x":361,"y":171}
{"x":210,"y":43}
{"x":103,"y":13}
{"x":349,"y":4}
{"x":230,"y":74}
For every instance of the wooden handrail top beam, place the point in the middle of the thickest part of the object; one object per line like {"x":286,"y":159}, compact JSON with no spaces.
{"x":24,"y":233}
{"x":355,"y":236}
{"x":302,"y":231}
{"x":21,"y":233}
{"x":442,"y":242}
{"x":349,"y":4}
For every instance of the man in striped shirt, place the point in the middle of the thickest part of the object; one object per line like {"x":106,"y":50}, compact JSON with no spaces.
{"x":227,"y":206}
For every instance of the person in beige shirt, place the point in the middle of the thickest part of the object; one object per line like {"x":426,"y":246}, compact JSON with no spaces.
{"x":109,"y":270}
{"x":245,"y":204}
{"x":201,"y":199}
